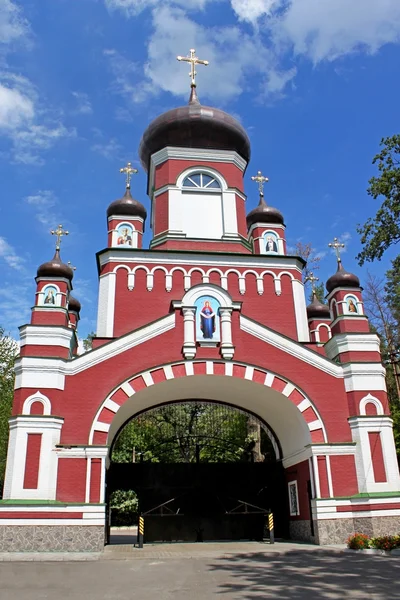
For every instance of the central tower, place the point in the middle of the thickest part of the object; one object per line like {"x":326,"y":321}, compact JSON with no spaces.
{"x":203,"y":208}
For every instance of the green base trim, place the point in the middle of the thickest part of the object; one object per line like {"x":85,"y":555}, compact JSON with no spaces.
{"x":364,"y":495}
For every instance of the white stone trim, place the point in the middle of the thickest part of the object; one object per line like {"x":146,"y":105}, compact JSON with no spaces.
{"x":106,"y":305}
{"x":364,"y":377}
{"x":329,"y":474}
{"x":304,"y":404}
{"x":333,"y":449}
{"x":303,"y":332}
{"x":45,"y":335}
{"x":315,"y":425}
{"x":369,"y":399}
{"x":326,"y":508}
{"x":82,"y":451}
{"x":290,"y":347}
{"x":360,"y":428}
{"x":37,"y":397}
{"x":50,"y":373}
{"x":50,"y":430}
{"x":352,"y":342}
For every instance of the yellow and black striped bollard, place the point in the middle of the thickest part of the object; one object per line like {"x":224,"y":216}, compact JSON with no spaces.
{"x":271,"y":528}
{"x":141,"y":532}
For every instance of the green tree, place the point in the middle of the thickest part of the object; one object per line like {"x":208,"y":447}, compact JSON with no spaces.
{"x":8,"y":353}
{"x":309,"y":254}
{"x":382,"y":231}
{"x":88,"y":341}
{"x":319,"y":292}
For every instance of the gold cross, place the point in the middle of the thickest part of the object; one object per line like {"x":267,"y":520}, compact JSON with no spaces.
{"x":310,"y":277}
{"x":129,"y":171}
{"x":71,"y":266}
{"x":59,"y":232}
{"x":260,"y":180}
{"x":336,"y":245}
{"x":193,"y":60}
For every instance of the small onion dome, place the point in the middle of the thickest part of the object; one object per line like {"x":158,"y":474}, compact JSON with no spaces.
{"x":127,"y":206}
{"x":194,"y":126}
{"x":264,"y":214}
{"x":74,"y":304}
{"x":342,"y":278}
{"x":317,"y":310}
{"x":55,"y":268}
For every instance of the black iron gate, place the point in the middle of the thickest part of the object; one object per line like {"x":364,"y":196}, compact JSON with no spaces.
{"x":201,"y":502}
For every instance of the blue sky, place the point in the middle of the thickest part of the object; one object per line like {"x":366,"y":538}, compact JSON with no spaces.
{"x":315,"y":83}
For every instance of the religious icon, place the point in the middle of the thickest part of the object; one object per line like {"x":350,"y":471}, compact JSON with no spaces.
{"x":50,"y":295}
{"x":271,"y":242}
{"x":207,"y":326}
{"x":352,"y":308}
{"x":124,"y":235}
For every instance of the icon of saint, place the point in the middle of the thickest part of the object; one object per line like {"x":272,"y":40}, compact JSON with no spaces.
{"x":50,"y":299}
{"x":207,"y":321}
{"x":124,"y":239}
{"x":352,"y":306}
{"x":270,"y":244}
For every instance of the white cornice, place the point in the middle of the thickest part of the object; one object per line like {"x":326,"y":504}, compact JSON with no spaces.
{"x":261,"y":261}
{"x":333,"y":449}
{"x":169,"y":187}
{"x":290,"y":347}
{"x":45,"y":336}
{"x":50,"y":373}
{"x":348,"y":342}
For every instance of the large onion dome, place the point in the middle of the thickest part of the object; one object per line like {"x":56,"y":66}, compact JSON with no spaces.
{"x":264,"y":214}
{"x":194,"y":126}
{"x":317,"y":310}
{"x":342,"y":278}
{"x":55,"y":268}
{"x":127,"y":206}
{"x":74,"y":305}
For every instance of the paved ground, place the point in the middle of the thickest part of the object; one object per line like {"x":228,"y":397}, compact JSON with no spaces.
{"x":284,"y":572}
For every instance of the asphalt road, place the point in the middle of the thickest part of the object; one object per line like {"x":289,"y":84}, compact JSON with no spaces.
{"x":296,"y":574}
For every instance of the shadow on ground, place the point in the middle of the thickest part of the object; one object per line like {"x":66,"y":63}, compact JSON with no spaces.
{"x":301,"y":574}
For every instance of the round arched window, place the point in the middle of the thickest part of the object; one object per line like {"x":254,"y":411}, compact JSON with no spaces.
{"x":201,"y":181}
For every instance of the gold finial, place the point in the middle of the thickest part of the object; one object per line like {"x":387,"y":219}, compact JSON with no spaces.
{"x":311,"y":277}
{"x":129,"y":171}
{"x":260,"y":180}
{"x":71,"y":266}
{"x":59,"y":232}
{"x":336,"y":245}
{"x":193,"y":60}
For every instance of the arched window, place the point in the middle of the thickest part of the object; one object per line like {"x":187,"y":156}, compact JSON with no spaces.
{"x":201,"y":181}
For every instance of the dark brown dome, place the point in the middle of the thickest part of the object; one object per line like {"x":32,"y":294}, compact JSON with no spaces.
{"x":317,"y":310}
{"x":74,"y":304}
{"x":194,"y":126}
{"x":264,"y":214}
{"x":127,"y":206}
{"x":342,"y":278}
{"x":55,"y":268}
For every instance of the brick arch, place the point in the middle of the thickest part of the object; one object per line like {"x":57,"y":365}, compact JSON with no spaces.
{"x":111,"y":405}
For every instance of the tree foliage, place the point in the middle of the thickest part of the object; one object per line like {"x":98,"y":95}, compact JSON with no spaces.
{"x":382,"y":231}
{"x":8,"y":353}
{"x":88,"y":341}
{"x":319,"y":292}
{"x":192,"y":431}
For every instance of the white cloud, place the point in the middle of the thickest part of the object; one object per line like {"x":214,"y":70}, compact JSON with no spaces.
{"x":9,"y":255}
{"x":12,"y":24}
{"x":230,"y":51}
{"x":110,"y":150}
{"x":45,"y":204}
{"x":317,"y":29}
{"x":84,"y":106}
{"x":25,"y":122}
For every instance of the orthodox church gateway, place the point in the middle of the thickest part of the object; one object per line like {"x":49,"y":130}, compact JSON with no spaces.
{"x":212,"y":294}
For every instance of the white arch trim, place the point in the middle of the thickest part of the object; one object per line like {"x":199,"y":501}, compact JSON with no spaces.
{"x":288,"y":411}
{"x":37,"y":397}
{"x":208,"y":171}
{"x":209,"y":289}
{"x":369,"y":399}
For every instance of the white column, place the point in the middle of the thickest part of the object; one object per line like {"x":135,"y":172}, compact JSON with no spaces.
{"x":227,"y":348}
{"x":189,"y":343}
{"x":303,"y":333}
{"x":50,"y":429}
{"x":360,"y":427}
{"x":106,"y":306}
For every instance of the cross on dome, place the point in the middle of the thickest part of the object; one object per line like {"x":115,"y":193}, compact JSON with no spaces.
{"x":261,"y":180}
{"x":71,"y":266}
{"x":128,"y":170}
{"x":193,"y":60}
{"x":312,"y":279}
{"x":336,"y":245}
{"x":59,"y":232}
